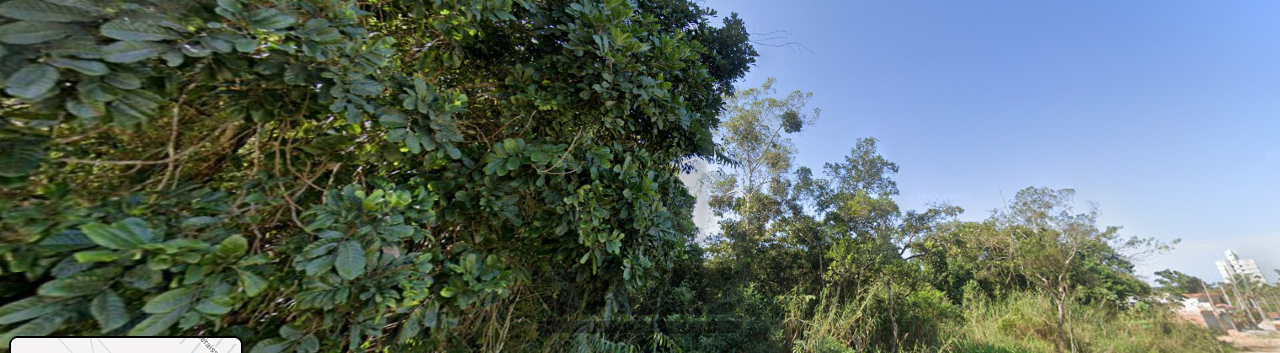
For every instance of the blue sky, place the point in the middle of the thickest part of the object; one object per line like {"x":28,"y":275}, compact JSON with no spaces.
{"x":1167,"y":113}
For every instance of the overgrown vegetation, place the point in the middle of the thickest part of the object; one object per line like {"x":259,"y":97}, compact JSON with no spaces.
{"x":491,"y":175}
{"x":1021,"y":323}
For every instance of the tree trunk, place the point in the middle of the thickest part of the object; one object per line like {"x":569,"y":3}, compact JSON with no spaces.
{"x":1062,"y":318}
{"x":1066,"y":338}
{"x":1071,"y":330}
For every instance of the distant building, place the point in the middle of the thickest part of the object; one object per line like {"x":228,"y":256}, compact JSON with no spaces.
{"x":1234,"y":265}
{"x":1206,"y":311}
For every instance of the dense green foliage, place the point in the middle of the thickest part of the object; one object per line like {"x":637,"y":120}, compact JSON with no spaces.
{"x":1175,"y":282}
{"x":488,"y":175}
{"x":332,"y":174}
{"x":831,"y":263}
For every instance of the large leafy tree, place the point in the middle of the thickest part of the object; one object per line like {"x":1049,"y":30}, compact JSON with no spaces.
{"x":356,"y":174}
{"x":1065,"y":255}
{"x":750,"y":195}
{"x":1175,"y":282}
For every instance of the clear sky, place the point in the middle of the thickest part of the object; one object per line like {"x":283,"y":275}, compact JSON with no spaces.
{"x":1167,"y":113}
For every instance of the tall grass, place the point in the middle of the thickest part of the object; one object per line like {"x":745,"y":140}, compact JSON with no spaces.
{"x":863,"y":322}
{"x":1019,"y":323}
{"x":1024,"y":322}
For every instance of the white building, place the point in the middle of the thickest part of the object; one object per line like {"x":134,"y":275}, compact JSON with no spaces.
{"x":1234,"y":265}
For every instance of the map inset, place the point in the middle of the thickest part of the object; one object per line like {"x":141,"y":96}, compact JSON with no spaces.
{"x":125,"y":345}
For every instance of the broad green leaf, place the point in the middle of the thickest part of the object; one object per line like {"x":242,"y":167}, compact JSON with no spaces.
{"x":326,"y":236}
{"x":43,"y":326}
{"x":160,"y":262}
{"x":97,"y":256}
{"x":169,"y":301}
{"x":84,"y":283}
{"x":410,"y":328}
{"x":109,"y":310}
{"x":87,"y":5}
{"x":411,"y":142}
{"x":255,"y":259}
{"x":350,"y":261}
{"x":270,"y":345}
{"x":142,"y":100}
{"x":87,"y":67}
{"x":400,"y":231}
{"x":126,"y":117}
{"x":231,"y":5}
{"x":270,"y":19}
{"x":492,"y":167}
{"x":158,"y":324}
{"x":231,"y":249}
{"x":328,"y":35}
{"x":125,"y":29}
{"x":173,"y":58}
{"x":20,"y":156}
{"x":91,"y":89}
{"x":319,"y":265}
{"x":123,"y":80}
{"x":132,"y":51}
{"x":201,"y":221}
{"x":111,"y":236}
{"x":466,"y":298}
{"x":142,"y":277}
{"x":422,"y":318}
{"x":354,"y":339}
{"x":292,"y":331}
{"x":309,"y":344}
{"x":429,"y":318}
{"x":323,"y":220}
{"x":319,"y":247}
{"x":217,"y":44}
{"x":80,"y":47}
{"x":28,"y":308}
{"x":87,"y":110}
{"x":453,"y":151}
{"x":174,"y":246}
{"x":212,"y":307}
{"x":34,"y":32}
{"x":245,"y":44}
{"x":189,"y":319}
{"x":32,"y":81}
{"x":392,"y":120}
{"x":36,"y":10}
{"x":138,"y":227}
{"x":252,"y":283}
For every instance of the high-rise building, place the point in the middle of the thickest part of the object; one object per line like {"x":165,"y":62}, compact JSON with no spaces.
{"x":1234,"y":265}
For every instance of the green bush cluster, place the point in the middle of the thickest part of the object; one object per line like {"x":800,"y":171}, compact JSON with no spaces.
{"x":325,"y":175}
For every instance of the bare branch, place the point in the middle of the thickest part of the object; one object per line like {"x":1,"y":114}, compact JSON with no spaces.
{"x":175,"y":157}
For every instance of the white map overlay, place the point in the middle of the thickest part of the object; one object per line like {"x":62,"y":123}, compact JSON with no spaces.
{"x":124,"y":345}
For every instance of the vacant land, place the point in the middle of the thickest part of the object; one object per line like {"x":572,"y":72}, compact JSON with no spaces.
{"x":1254,"y":343}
